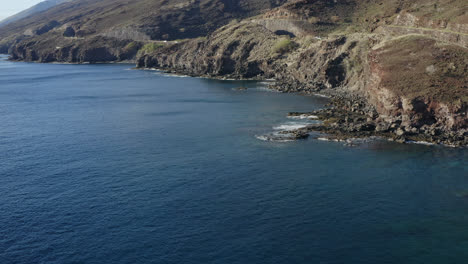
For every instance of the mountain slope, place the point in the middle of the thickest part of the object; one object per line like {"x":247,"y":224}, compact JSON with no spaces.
{"x":31,"y":11}
{"x":154,"y":18}
{"x":139,"y":20}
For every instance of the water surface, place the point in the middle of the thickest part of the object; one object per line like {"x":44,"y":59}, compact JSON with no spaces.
{"x":103,"y":164}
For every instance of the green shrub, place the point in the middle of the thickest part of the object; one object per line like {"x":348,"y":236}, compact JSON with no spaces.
{"x":151,"y":47}
{"x":131,"y":46}
{"x":284,"y":45}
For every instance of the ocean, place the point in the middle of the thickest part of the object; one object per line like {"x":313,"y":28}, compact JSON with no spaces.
{"x":105,"y":164}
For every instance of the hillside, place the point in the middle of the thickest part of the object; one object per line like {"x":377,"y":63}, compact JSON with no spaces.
{"x":42,"y":6}
{"x":136,"y":20}
{"x":401,"y":66}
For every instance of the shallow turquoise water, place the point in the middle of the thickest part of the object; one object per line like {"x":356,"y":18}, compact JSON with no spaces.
{"x":102,"y":164}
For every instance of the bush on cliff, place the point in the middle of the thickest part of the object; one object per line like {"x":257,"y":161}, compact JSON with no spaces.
{"x":284,"y":45}
{"x":150,"y":48}
{"x":132,"y":47}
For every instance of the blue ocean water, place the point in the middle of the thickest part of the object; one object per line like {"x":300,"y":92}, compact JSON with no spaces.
{"x":103,"y":164}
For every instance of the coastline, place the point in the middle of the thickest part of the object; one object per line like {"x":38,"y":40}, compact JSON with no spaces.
{"x":340,"y":122}
{"x":343,"y":119}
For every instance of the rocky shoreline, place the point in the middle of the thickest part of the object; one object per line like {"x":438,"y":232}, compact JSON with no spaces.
{"x":346,"y":117}
{"x":351,"y":117}
{"x":341,"y":125}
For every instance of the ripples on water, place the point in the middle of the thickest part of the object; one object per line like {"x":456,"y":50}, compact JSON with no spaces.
{"x":103,"y":165}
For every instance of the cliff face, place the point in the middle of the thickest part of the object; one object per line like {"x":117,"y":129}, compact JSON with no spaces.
{"x":419,"y":82}
{"x":94,"y":50}
{"x":237,"y":51}
{"x":400,"y":65}
{"x":248,"y":51}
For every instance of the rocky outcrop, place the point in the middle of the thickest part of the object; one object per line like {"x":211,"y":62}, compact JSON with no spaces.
{"x":329,"y":64}
{"x":418,"y":83}
{"x":342,"y":125}
{"x":95,"y":50}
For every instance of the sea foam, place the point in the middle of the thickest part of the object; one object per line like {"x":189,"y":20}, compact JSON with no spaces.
{"x":291,"y":126}
{"x":304,"y":116}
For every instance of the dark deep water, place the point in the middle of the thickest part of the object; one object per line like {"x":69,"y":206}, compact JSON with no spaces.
{"x":101,"y":164}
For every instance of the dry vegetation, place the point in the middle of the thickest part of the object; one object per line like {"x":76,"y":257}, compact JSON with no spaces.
{"x":416,"y":66}
{"x":284,"y":45}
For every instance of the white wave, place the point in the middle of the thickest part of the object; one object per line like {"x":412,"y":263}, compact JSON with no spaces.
{"x":262,"y":137}
{"x":332,"y":140}
{"x":304,"y":116}
{"x":291,"y":126}
{"x":223,"y":79}
{"x":267,"y":82}
{"x":321,"y":95}
{"x":422,"y":143}
{"x":175,"y":75}
{"x":274,"y":137}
